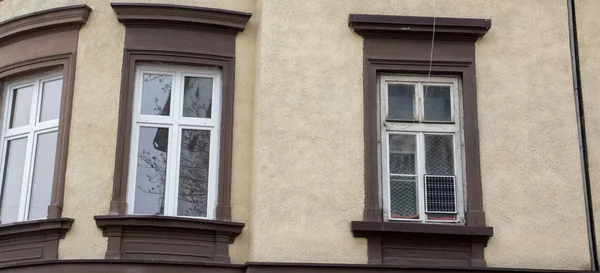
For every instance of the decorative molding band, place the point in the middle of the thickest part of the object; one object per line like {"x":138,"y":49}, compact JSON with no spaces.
{"x":366,"y":228}
{"x":44,"y":21}
{"x":410,"y":27}
{"x":131,"y":14}
{"x":159,"y":221}
{"x":30,"y":241}
{"x":58,"y":225}
{"x":119,"y":266}
{"x":438,"y":245}
{"x":167,"y":238}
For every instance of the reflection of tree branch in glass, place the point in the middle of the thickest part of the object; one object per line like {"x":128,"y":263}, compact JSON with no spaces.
{"x":195,"y":148}
{"x":152,"y":170}
{"x":193,"y":172}
{"x":197,"y":101}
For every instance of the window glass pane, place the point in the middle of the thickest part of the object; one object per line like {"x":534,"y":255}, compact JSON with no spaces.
{"x":401,"y":99}
{"x":403,"y":197}
{"x":51,"y":100}
{"x":21,"y":107}
{"x":402,"y":154}
{"x":156,"y":94}
{"x":197,"y":97}
{"x":151,"y":171}
{"x":43,"y":174}
{"x":13,"y":180}
{"x":193,"y":173}
{"x":439,"y":154}
{"x":437,"y":103}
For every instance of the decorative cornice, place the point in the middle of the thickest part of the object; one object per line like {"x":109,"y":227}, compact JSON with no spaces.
{"x":410,"y":27}
{"x":43,"y":226}
{"x":168,"y":238}
{"x":158,"y":221}
{"x":44,"y":21}
{"x":369,"y":228}
{"x":141,"y":14}
{"x":32,"y":241}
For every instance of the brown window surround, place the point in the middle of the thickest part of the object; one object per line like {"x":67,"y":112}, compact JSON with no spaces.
{"x":173,"y":34}
{"x":402,"y":45}
{"x":41,"y":41}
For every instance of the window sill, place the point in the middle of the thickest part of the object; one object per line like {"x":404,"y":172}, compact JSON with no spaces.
{"x":29,"y":241}
{"x":417,"y":244}
{"x":167,"y":238}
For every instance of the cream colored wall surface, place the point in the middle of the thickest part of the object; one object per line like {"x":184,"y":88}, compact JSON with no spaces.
{"x":301,"y":144}
{"x":308,"y":138}
{"x":588,"y":34}
{"x":90,"y":164}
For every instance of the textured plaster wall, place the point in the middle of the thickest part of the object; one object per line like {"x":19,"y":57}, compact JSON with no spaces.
{"x":308,"y":138}
{"x":589,"y":57}
{"x":298,"y":139}
{"x":90,"y":166}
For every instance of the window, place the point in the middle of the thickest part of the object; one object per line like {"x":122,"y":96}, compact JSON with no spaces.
{"x":29,"y":137}
{"x":175,"y":142}
{"x":421,"y":144}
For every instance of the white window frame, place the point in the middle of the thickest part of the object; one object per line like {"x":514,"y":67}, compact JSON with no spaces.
{"x":176,"y":123}
{"x":419,"y":129}
{"x":31,"y":132}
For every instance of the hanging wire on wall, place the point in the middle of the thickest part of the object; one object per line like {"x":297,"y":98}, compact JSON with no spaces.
{"x":433,"y":12}
{"x":432,"y":40}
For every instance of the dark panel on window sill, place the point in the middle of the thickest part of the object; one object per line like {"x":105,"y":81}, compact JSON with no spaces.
{"x":165,"y":238}
{"x":415,"y":244}
{"x":32,"y":240}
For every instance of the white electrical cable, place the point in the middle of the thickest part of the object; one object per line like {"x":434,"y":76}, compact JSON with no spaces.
{"x":432,"y":40}
{"x":432,"y":45}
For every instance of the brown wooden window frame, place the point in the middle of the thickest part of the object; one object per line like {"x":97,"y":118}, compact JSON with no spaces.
{"x":402,"y":45}
{"x":174,"y":35}
{"x":24,"y":51}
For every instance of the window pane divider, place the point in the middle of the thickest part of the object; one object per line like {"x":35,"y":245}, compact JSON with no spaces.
{"x":421,"y":127}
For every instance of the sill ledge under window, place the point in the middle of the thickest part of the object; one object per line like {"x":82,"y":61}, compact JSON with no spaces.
{"x":415,"y":244}
{"x":35,"y":240}
{"x":168,"y":238}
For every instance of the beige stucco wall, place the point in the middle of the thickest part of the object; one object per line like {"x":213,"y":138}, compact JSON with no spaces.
{"x":308,"y":146}
{"x":298,"y":137}
{"x":90,"y":164}
{"x":589,"y":55}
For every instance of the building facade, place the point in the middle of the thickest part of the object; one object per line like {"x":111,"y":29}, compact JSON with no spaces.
{"x":299,"y":136}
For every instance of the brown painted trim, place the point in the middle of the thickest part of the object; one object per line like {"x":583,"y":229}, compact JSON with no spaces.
{"x":131,"y":14}
{"x":119,"y":199}
{"x":104,"y":221}
{"x":24,"y":50}
{"x":31,"y":240}
{"x":12,"y":229}
{"x":177,"y":35}
{"x":32,"y":32}
{"x":153,"y":237}
{"x":71,"y":17}
{"x":401,"y":45}
{"x":364,"y":228}
{"x":433,"y":245}
{"x":169,"y":34}
{"x":410,"y":27}
{"x":122,"y":266}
